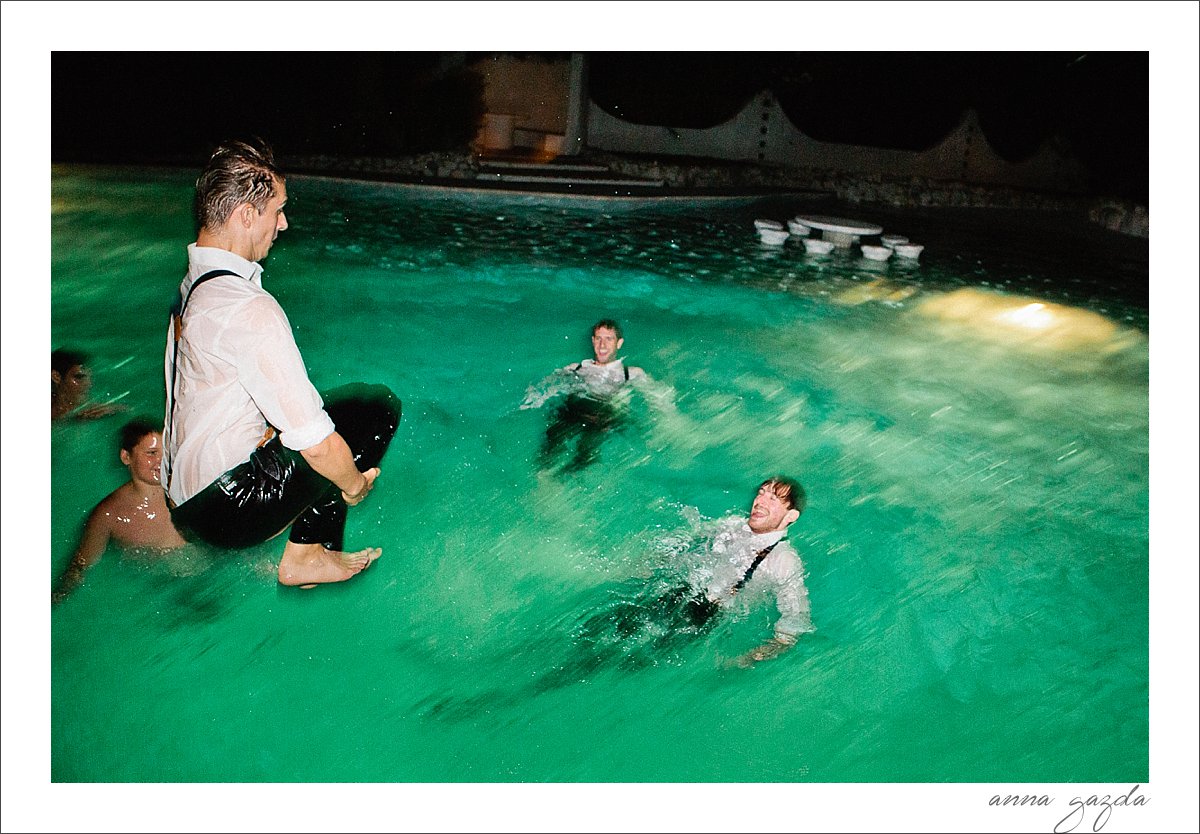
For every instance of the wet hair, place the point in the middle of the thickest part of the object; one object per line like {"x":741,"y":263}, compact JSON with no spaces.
{"x":237,"y":173}
{"x":64,"y":359}
{"x":137,"y":428}
{"x":608,"y":324}
{"x":789,"y":492}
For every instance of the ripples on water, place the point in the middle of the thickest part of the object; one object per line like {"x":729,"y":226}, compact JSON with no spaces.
{"x":976,"y":538}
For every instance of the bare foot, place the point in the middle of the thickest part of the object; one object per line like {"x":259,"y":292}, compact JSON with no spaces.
{"x":312,"y":564}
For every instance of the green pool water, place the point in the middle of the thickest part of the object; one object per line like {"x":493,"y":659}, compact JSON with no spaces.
{"x":976,"y":539}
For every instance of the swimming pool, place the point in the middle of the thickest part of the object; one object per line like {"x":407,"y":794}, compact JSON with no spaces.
{"x":976,"y":538}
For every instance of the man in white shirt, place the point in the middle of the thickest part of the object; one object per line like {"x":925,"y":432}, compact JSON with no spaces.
{"x":754,"y":553}
{"x":251,"y":447}
{"x":743,"y":558}
{"x":746,"y":559}
{"x":592,"y":406}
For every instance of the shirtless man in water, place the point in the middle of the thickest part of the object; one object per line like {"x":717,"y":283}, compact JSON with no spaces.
{"x":133,"y":515}
{"x":70,"y":385}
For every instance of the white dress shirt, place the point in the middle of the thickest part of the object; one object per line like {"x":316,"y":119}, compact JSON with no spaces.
{"x":586,"y":377}
{"x":239,"y":370}
{"x":781,"y":572}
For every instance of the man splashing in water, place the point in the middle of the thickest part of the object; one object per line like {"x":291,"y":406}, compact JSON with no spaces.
{"x":746,"y":557}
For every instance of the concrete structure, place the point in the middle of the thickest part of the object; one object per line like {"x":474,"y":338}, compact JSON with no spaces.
{"x":538,"y":108}
{"x":762,"y":133}
{"x":578,"y":107}
{"x":541,"y":104}
{"x":528,"y":103}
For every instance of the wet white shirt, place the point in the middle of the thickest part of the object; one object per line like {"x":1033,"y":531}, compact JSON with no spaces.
{"x":781,"y":573}
{"x":587,"y":377}
{"x":603,"y":380}
{"x":239,"y":370}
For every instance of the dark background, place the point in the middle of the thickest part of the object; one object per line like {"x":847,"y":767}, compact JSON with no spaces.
{"x":160,"y":107}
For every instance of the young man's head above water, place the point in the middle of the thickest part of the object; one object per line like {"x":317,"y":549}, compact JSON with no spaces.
{"x":778,"y":503}
{"x":606,"y":340}
{"x":70,"y":380}
{"x":70,"y":386}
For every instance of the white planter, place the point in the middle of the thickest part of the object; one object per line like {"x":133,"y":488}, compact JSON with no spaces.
{"x":772,"y":237}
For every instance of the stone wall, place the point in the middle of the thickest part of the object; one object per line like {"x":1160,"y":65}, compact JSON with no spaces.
{"x":876,"y":189}
{"x":1120,"y":216}
{"x":864,"y":189}
{"x":441,"y":165}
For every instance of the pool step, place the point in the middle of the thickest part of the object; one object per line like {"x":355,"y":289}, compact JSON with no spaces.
{"x":542,"y":166}
{"x":565,"y":180}
{"x":558,"y":176}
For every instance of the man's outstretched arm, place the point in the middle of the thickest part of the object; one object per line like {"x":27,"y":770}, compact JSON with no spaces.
{"x":772,"y":648}
{"x":560,"y":381}
{"x":332,"y":459}
{"x":791,"y":597}
{"x":96,"y":533}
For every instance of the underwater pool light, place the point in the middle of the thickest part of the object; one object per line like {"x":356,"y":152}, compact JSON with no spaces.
{"x":1035,"y":316}
{"x":1028,"y":321}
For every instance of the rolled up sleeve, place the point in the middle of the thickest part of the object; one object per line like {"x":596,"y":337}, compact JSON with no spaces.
{"x":273,"y":373}
{"x":791,"y":597}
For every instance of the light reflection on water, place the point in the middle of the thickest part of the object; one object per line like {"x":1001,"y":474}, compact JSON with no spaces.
{"x":976,"y":537}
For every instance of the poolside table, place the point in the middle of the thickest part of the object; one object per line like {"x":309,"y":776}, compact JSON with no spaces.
{"x":839,"y":230}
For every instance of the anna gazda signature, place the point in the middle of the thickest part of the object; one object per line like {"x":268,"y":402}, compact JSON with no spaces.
{"x":1095,"y":809}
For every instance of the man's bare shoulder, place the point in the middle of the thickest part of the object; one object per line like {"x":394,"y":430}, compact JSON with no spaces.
{"x":134,"y":520}
{"x":123,"y":498}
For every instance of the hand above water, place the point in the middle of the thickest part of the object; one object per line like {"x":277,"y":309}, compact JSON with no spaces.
{"x":368,"y":481}
{"x":94,"y":411}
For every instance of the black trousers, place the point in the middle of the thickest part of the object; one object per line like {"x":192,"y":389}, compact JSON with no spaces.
{"x":585,"y":420}
{"x":631,"y":632}
{"x":276,"y":488}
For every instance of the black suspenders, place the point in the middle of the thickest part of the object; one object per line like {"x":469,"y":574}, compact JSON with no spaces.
{"x":579,"y":365}
{"x":177,"y":310}
{"x":762,"y":554}
{"x":700,"y":609}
